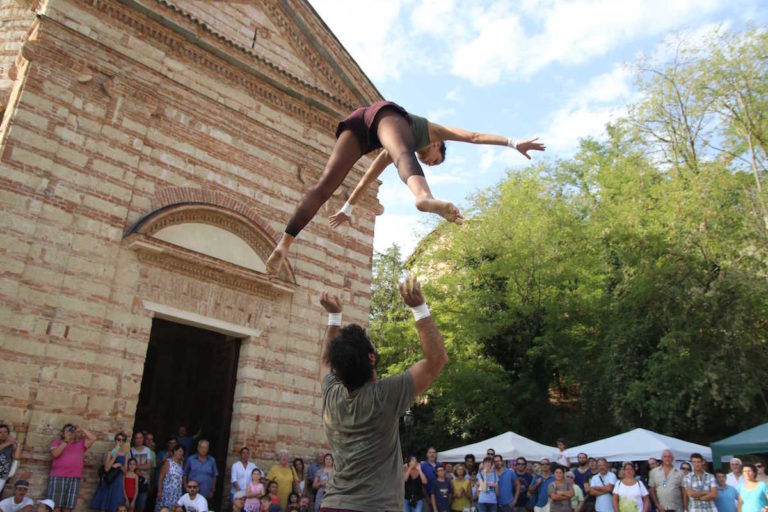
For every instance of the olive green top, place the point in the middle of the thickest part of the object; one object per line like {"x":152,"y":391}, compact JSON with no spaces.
{"x":362,"y":428}
{"x":420,"y":131}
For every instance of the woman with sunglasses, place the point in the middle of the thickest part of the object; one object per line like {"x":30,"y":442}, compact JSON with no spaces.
{"x":110,"y":493}
{"x":753,"y":495}
{"x":685,"y":467}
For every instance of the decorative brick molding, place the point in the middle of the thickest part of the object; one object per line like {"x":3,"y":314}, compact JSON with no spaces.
{"x":189,"y":53}
{"x":181,"y":205}
{"x":168,"y":196}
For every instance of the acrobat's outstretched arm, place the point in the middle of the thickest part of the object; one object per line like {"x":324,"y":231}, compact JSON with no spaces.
{"x":440,"y":133}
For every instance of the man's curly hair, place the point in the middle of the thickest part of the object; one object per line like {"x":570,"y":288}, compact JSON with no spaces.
{"x":348,"y":356}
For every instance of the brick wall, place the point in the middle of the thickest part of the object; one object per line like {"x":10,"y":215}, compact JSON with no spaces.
{"x":113,"y":111}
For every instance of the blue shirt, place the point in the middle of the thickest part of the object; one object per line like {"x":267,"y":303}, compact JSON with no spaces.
{"x":429,"y":472}
{"x":202,"y":472}
{"x":506,"y":486}
{"x":442,"y":493}
{"x":726,"y":499}
{"x":488,"y":496}
{"x":604,"y":502}
{"x":580,"y":478}
{"x":754,"y":500}
{"x":543,"y":497}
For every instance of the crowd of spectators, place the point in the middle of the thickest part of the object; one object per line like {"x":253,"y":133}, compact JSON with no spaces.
{"x":588,"y":485}
{"x":133,"y":477}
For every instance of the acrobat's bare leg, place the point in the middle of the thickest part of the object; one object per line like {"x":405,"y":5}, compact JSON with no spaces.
{"x":345,"y":153}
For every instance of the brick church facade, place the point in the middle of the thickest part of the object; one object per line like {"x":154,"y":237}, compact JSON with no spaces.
{"x":151,"y":152}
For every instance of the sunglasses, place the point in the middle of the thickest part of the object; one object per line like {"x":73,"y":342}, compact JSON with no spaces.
{"x":119,"y":439}
{"x":759,"y":466}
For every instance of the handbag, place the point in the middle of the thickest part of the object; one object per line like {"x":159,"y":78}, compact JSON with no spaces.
{"x":109,"y":476}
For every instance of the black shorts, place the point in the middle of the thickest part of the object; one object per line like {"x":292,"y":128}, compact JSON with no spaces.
{"x":361,"y":123}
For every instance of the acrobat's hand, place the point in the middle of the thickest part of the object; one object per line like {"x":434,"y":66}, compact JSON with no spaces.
{"x":331,"y":303}
{"x":524,"y":146}
{"x":339,"y":218}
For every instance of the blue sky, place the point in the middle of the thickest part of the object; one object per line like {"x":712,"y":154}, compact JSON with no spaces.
{"x":557,"y":69}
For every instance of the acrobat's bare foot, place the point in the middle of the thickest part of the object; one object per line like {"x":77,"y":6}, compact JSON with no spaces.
{"x":446,"y":210}
{"x":275,"y":260}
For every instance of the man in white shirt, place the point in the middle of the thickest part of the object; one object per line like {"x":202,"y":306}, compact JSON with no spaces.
{"x":144,"y":465}
{"x":19,"y":501}
{"x":735,"y":478}
{"x":241,"y":472}
{"x":601,"y":486}
{"x":192,"y":501}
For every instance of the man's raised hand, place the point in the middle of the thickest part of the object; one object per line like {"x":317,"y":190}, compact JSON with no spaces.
{"x":410,"y":290}
{"x":524,"y":146}
{"x":331,"y":303}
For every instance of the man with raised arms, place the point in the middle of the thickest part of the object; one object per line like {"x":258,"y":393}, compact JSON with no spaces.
{"x":361,"y":412}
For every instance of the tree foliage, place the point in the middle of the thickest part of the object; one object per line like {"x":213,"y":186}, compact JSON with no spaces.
{"x":614,"y":290}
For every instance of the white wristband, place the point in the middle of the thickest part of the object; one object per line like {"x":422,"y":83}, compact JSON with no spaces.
{"x":420,"y":312}
{"x":347,"y":209}
{"x":334,"y":318}
{"x":512,"y":142}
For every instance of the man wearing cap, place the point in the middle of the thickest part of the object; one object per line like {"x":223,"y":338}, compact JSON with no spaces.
{"x":46,"y":505}
{"x":238,"y":501}
{"x":19,"y":501}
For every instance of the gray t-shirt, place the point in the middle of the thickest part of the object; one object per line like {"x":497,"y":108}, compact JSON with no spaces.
{"x":559,"y":505}
{"x":362,"y":430}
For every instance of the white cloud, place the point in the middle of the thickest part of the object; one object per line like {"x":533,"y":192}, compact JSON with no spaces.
{"x":444,"y":174}
{"x":495,"y":42}
{"x":403,"y":230}
{"x":491,"y":42}
{"x":393,"y":193}
{"x":664,"y":51}
{"x":440,"y":114}
{"x":589,"y":109}
{"x":377,"y":42}
{"x":454,"y":95}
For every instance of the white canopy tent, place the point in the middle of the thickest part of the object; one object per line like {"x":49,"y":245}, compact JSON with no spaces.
{"x":509,"y":445}
{"x":639,"y":444}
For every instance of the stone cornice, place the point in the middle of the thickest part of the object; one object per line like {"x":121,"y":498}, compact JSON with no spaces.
{"x":209,"y":39}
{"x":211,"y":55}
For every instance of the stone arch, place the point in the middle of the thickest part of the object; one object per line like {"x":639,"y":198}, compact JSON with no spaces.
{"x":211,"y":226}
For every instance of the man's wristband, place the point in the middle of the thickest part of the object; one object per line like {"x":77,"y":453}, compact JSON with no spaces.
{"x":347,"y":209}
{"x":512,"y":142}
{"x":334,"y":318}
{"x":420,"y":312}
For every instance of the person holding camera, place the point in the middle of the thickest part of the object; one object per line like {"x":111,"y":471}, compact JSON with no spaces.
{"x":67,"y":466}
{"x":415,"y":481}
